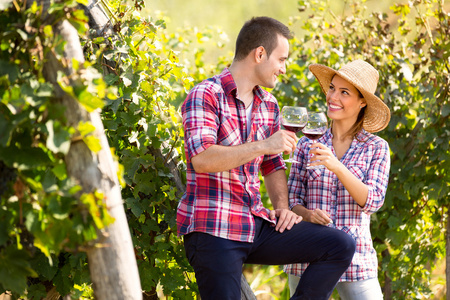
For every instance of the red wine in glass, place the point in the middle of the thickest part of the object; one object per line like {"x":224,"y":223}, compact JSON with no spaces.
{"x":313,"y":134}
{"x":293,"y":118}
{"x":293,"y":127}
{"x":316,"y":127}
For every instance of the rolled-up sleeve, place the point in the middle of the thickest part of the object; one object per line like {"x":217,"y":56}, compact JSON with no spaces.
{"x":200,"y":121}
{"x":377,"y":177}
{"x":271,"y":164}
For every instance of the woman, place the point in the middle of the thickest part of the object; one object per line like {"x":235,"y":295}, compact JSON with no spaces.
{"x":353,"y":184}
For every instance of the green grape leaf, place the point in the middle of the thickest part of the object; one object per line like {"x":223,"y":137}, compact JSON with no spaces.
{"x":14,"y":269}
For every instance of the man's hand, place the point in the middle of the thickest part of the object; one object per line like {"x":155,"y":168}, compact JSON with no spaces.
{"x":286,"y":219}
{"x":282,"y":141}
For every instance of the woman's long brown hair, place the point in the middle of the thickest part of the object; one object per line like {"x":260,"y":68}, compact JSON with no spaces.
{"x":357,"y":126}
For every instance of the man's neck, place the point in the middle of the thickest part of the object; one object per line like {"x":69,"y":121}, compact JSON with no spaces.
{"x":243,"y":77}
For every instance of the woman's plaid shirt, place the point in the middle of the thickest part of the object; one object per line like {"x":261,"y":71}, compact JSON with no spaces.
{"x":370,"y":162}
{"x":224,"y":204}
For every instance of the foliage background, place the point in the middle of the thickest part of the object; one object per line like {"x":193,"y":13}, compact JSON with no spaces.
{"x":151,"y":66}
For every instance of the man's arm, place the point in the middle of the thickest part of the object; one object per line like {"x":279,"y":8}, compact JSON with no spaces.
{"x":276,"y":186}
{"x":219,"y":158}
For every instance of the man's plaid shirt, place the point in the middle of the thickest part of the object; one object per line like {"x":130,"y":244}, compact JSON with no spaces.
{"x":224,"y":204}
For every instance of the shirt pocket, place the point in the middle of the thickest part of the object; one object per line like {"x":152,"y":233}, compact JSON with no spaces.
{"x":229,"y":133}
{"x":262,"y":132}
{"x":358,"y":171}
{"x":314,"y":174}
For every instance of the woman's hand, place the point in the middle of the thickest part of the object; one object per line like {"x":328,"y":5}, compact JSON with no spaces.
{"x":319,"y":216}
{"x":324,"y":156}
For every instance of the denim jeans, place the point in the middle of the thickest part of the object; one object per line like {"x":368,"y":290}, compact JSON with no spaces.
{"x":368,"y":289}
{"x":218,"y":262}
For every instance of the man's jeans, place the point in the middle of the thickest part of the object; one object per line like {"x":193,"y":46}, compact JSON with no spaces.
{"x":218,"y":262}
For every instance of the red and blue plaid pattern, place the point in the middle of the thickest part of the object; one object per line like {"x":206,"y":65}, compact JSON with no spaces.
{"x":370,"y":162}
{"x":223,"y":204}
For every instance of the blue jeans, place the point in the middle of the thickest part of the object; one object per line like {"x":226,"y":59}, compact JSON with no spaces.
{"x":218,"y":262}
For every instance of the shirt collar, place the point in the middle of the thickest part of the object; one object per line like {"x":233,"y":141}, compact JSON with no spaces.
{"x":230,"y":88}
{"x":362,"y":135}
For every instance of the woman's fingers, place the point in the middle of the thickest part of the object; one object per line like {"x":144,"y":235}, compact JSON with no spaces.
{"x":321,"y":217}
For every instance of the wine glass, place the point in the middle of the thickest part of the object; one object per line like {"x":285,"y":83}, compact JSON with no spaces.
{"x":293,"y":118}
{"x":316,"y":127}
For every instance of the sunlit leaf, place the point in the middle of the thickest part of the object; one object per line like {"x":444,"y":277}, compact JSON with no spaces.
{"x":93,"y":143}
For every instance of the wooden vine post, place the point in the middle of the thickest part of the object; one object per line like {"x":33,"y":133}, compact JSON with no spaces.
{"x":112,"y":265}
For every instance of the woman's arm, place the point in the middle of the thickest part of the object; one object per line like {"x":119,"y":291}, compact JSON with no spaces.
{"x":298,"y":186}
{"x":317,"y":216}
{"x":369,"y":194}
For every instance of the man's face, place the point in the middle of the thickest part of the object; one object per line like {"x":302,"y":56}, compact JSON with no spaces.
{"x":272,"y":66}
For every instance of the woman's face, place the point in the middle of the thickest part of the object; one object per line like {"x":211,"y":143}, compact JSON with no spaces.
{"x":343,"y":100}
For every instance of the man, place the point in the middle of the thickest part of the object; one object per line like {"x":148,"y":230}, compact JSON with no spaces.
{"x":232,"y":131}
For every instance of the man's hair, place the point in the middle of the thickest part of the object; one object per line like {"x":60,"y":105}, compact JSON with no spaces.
{"x":260,"y":31}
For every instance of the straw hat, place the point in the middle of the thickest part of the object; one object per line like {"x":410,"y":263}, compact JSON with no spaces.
{"x":364,"y":77}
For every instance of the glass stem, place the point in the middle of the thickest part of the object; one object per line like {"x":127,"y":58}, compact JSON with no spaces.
{"x":310,"y":148}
